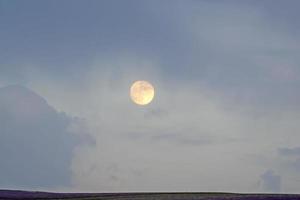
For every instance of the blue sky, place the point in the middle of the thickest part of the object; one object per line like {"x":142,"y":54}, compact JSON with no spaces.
{"x":226,"y":75}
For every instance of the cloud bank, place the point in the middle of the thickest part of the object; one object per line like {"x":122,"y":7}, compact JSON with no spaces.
{"x":226,"y":109}
{"x":36,"y":141}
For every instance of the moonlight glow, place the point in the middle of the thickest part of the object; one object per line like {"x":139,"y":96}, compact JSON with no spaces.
{"x":141,"y":92}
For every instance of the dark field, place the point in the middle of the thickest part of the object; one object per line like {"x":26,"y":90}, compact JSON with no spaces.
{"x":11,"y":194}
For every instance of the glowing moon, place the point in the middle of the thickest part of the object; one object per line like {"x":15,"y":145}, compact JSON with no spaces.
{"x":141,"y":92}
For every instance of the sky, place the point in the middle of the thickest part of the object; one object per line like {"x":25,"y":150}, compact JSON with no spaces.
{"x":226,"y":112}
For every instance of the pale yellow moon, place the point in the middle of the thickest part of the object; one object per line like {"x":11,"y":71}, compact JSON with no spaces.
{"x":141,"y":92}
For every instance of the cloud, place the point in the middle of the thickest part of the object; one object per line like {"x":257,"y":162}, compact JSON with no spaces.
{"x":249,"y":56}
{"x":289,"y":151}
{"x":270,"y":181}
{"x":142,"y":141}
{"x":291,"y":158}
{"x":191,"y":137}
{"x":36,"y":141}
{"x":226,"y":79}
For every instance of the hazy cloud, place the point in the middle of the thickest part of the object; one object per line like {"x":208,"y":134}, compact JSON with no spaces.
{"x":36,"y":141}
{"x":289,"y":151}
{"x":227,"y":83}
{"x":189,"y":127}
{"x":271,"y":182}
{"x":290,"y":158}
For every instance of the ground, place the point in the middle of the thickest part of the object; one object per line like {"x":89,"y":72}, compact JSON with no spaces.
{"x":13,"y":194}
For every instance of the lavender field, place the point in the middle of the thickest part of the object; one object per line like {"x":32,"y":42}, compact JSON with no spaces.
{"x":15,"y":194}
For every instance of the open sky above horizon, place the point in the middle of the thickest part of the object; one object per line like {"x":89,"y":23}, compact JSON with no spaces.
{"x":226,"y":113}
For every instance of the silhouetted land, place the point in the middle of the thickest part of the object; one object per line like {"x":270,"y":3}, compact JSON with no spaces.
{"x":14,"y":194}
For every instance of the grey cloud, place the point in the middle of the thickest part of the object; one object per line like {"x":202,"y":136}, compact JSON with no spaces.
{"x":156,"y":113}
{"x":183,"y":140}
{"x":173,"y":138}
{"x":296,"y":165}
{"x":36,"y":141}
{"x":270,"y":181}
{"x":183,"y":122}
{"x":293,"y":157}
{"x":289,"y":151}
{"x":222,"y":71}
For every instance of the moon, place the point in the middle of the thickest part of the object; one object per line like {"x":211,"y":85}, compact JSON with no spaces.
{"x":141,"y":92}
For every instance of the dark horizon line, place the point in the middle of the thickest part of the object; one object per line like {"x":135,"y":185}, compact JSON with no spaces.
{"x":24,"y":194}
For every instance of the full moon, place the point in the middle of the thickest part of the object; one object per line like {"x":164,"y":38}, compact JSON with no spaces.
{"x":141,"y":92}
